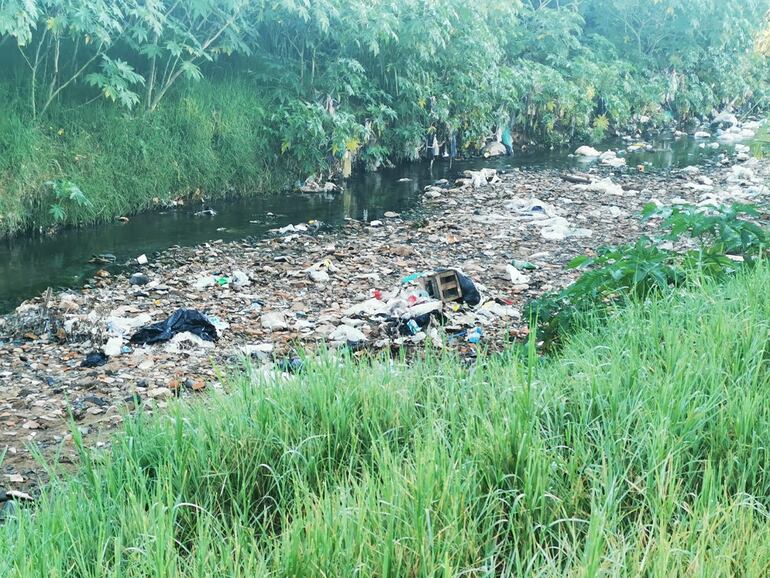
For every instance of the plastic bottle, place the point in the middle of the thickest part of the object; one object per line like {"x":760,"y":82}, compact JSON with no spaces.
{"x":475,"y":335}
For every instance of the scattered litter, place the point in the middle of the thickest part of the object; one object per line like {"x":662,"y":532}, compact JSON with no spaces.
{"x":94,"y":359}
{"x":290,"y":365}
{"x":102,"y":259}
{"x":509,"y":236}
{"x":517,"y":277}
{"x":311,"y":186}
{"x":113,"y":347}
{"x":187,"y":341}
{"x":604,"y":186}
{"x":183,"y":320}
{"x":347,"y":334}
{"x":240,"y":279}
{"x":475,"y":335}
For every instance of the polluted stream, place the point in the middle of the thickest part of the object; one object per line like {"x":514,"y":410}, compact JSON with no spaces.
{"x":357,"y":285}
{"x":31,"y":264}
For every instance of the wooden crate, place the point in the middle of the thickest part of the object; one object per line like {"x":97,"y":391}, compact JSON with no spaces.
{"x":444,"y":285}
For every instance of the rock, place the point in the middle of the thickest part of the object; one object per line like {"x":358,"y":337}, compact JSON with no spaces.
{"x":606,"y":155}
{"x":724,"y":120}
{"x":375,"y":223}
{"x":391,"y":215}
{"x":262,"y":351}
{"x":318,"y":276}
{"x":160,"y":393}
{"x":741,"y":174}
{"x":742,"y":157}
{"x":614,"y":162}
{"x":702,"y":134}
{"x":494,"y":149}
{"x":139,"y":279}
{"x":274,"y":321}
{"x":587,"y":151}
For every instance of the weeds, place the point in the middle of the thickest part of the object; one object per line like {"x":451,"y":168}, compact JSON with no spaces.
{"x":636,"y":452}
{"x":66,"y":194}
{"x":212,"y":139}
{"x":713,"y":244}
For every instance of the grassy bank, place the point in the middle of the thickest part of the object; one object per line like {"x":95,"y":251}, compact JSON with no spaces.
{"x":638,"y":451}
{"x":214,"y":139}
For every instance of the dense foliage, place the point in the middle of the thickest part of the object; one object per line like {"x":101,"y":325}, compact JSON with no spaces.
{"x":316,"y":78}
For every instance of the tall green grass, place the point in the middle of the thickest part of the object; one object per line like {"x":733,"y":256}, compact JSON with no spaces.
{"x":215,"y":137}
{"x":642,"y":450}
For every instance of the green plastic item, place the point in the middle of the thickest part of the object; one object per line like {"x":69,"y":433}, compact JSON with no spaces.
{"x":523,"y":265}
{"x":413,"y":277}
{"x":223,"y":281}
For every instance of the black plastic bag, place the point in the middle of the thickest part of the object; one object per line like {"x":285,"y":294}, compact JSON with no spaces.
{"x":184,"y":320}
{"x":94,"y":359}
{"x":470,"y":293}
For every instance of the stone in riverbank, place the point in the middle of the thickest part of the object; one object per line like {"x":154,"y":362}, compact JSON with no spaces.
{"x":587,"y":151}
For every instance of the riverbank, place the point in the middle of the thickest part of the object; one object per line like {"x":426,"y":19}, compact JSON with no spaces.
{"x":29,"y":265}
{"x":306,"y":286}
{"x":208,"y":144}
{"x":637,"y":451}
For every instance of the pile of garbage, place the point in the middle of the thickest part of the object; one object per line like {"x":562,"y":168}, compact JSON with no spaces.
{"x":456,"y":275}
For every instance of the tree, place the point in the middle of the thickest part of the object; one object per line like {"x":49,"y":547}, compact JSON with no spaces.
{"x":59,"y":40}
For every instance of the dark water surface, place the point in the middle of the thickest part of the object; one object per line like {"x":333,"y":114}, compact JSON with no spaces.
{"x":29,"y":265}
